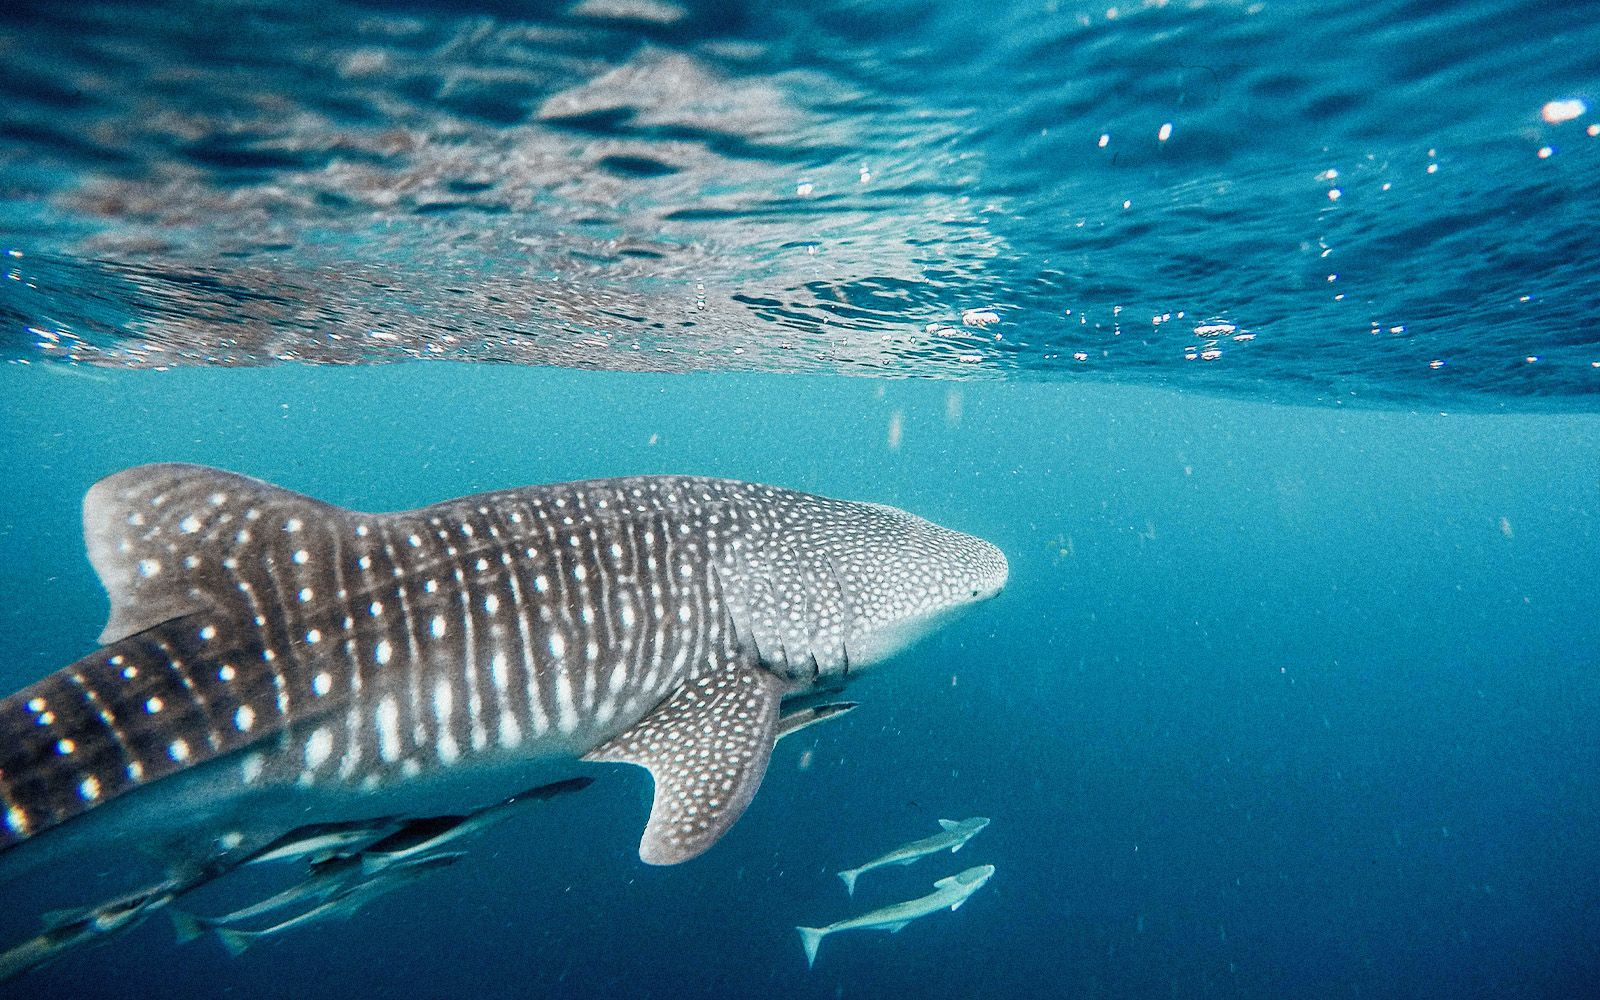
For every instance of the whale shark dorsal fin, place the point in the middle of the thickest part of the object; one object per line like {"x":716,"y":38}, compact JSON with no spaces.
{"x":707,"y":748}
{"x":156,"y":534}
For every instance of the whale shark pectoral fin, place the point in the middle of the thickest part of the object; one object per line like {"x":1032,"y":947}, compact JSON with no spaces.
{"x":707,"y":748}
{"x":896,"y":928}
{"x":156,"y":535}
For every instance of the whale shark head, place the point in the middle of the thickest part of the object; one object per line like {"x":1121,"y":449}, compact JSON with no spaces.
{"x":907,"y":580}
{"x":825,"y":587}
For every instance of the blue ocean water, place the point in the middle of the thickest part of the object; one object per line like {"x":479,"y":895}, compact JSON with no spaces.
{"x":1284,"y":417}
{"x":1279,"y":701}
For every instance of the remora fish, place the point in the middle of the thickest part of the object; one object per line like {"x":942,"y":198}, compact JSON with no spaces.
{"x":318,"y":842}
{"x":953,"y":835}
{"x":343,"y":904}
{"x":951,"y":892}
{"x":332,"y":872}
{"x":424,"y":835}
{"x":335,"y":869}
{"x":271,"y":660}
{"x":66,"y":931}
{"x":325,"y":879}
{"x":802,"y":718}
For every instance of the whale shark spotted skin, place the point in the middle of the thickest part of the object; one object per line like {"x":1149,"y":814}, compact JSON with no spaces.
{"x":271,"y":660}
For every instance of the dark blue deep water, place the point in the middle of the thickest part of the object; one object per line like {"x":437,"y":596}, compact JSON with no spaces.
{"x":1285,"y":417}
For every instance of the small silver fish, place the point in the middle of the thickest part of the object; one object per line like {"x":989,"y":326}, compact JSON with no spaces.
{"x":321,"y":841}
{"x":952,"y":836}
{"x":68,"y":930}
{"x":341,"y":904}
{"x":948,"y":892}
{"x":799,"y":719}
{"x":326,"y":879}
{"x":426,"y":835}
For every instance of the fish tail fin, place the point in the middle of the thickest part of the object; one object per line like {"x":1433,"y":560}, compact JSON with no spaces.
{"x":186,"y":925}
{"x":811,"y":937}
{"x":235,"y":941}
{"x":850,"y":875}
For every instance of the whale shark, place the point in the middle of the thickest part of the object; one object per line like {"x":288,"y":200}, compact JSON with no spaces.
{"x":272,"y":661}
{"x":952,"y":836}
{"x":947,"y":892}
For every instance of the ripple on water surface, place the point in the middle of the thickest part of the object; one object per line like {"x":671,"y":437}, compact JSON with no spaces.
{"x":1370,"y":202}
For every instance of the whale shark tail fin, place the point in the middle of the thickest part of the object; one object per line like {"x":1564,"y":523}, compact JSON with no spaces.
{"x":811,"y":937}
{"x":850,"y":875}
